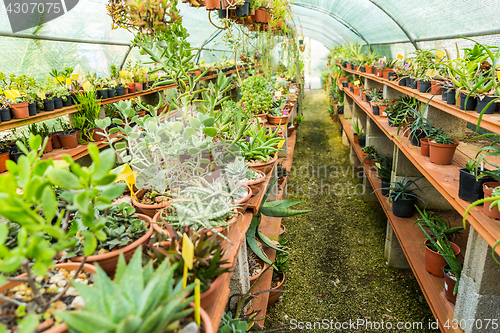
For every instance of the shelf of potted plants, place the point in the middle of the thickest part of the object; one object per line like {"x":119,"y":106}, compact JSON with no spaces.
{"x":411,"y":239}
{"x":445,"y":178}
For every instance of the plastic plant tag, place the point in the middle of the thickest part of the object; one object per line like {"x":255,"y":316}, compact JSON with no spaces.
{"x":197,"y":301}
{"x":439,"y":54}
{"x":68,"y":81}
{"x":86,"y":85}
{"x":498,"y":75}
{"x":74,"y":77}
{"x":281,"y":143}
{"x":356,"y":83}
{"x":41,"y":95}
{"x":59,"y":79}
{"x":123,"y":73}
{"x":127,"y":175}
{"x":187,"y":256}
{"x":12,"y":94}
{"x":400,"y":57}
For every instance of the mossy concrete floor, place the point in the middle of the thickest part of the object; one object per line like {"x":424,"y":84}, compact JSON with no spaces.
{"x":337,"y":266}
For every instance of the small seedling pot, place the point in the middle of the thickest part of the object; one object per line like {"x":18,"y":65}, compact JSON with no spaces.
{"x":403,"y":207}
{"x":58,"y":103}
{"x":274,"y":295}
{"x":102,"y":94}
{"x":425,"y":86}
{"x":434,"y":261}
{"x":471,"y":102}
{"x":32,"y":109}
{"x":449,"y":285}
{"x":469,"y":188}
{"x":48,"y":105}
{"x":482,"y":103}
{"x":20,"y":110}
{"x":68,"y":140}
{"x":4,"y":157}
{"x":5,"y":114}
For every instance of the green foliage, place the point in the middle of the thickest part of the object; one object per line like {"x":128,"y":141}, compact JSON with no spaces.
{"x":138,"y":300}
{"x":229,"y":324}
{"x":259,"y":146}
{"x":257,"y":95}
{"x":403,"y":189}
{"x":207,"y":264}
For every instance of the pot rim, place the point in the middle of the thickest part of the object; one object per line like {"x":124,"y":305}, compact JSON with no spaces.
{"x":256,"y":165}
{"x":258,"y":180}
{"x":141,"y":205}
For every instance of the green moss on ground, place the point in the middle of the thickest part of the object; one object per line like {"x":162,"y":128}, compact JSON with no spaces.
{"x":338,"y":271}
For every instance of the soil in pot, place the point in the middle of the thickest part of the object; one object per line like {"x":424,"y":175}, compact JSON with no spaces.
{"x":469,"y":188}
{"x":434,"y":261}
{"x":471,"y":102}
{"x":403,"y":207}
{"x":276,"y":284}
{"x":255,"y":266}
{"x":488,"y":188}
{"x":450,"y":280}
{"x":148,"y":203}
{"x":482,"y":103}
{"x":442,"y":153}
{"x":265,"y":167}
{"x":51,"y":283}
{"x":68,"y":140}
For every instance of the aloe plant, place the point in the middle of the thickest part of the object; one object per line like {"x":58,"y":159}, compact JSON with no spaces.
{"x":139,"y":299}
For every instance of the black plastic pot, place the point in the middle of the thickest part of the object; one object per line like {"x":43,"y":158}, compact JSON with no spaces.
{"x":351,"y":89}
{"x":403,"y":208}
{"x":15,"y":154}
{"x":385,"y":185}
{"x":392,"y":76}
{"x":222,"y":13}
{"x":413,"y":83}
{"x":5,"y":114}
{"x":450,"y":97}
{"x":402,"y":82}
{"x":37,"y":108}
{"x":67,"y":102}
{"x":481,"y":104}
{"x":345,"y":84}
{"x":243,"y":10}
{"x":469,"y":188}
{"x":111,"y":92}
{"x":32,"y":109}
{"x":57,"y":103}
{"x":425,"y":86}
{"x":374,"y":69}
{"x":362,"y":69}
{"x":392,"y":120}
{"x":144,"y":85}
{"x":416,"y":136}
{"x":471,"y":102}
{"x":376,"y":110}
{"x":444,"y":94}
{"x":120,"y":91}
{"x":48,"y":105}
{"x":368,"y":99}
{"x":102,"y":94}
{"x":362,"y":142}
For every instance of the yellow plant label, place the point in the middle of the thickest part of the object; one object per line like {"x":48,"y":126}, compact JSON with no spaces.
{"x":187,"y":251}
{"x":1,"y":91}
{"x":197,"y":301}
{"x":498,"y":75}
{"x":144,"y":70}
{"x":68,"y":81}
{"x":59,"y":80}
{"x":123,"y":73}
{"x":439,"y":54}
{"x":113,"y":83}
{"x":74,"y":77}
{"x":431,"y":73}
{"x":356,"y":83}
{"x":400,"y":57}
{"x":12,"y":93}
{"x":41,"y":95}
{"x":281,"y":143}
{"x":86,"y":85}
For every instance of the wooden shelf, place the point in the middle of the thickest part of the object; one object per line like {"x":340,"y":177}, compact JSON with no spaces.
{"x":445,"y":178}
{"x":490,"y":122}
{"x":410,"y":238}
{"x":42,"y":116}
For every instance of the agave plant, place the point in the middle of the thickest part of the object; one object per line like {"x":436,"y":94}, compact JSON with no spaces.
{"x":207,"y":264}
{"x":139,"y":299}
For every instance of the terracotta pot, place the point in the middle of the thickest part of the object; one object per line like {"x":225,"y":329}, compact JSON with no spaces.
{"x":207,"y":322}
{"x":149,"y":210}
{"x":277,"y":120}
{"x":449,"y":286}
{"x":260,"y":15}
{"x":48,"y":147}
{"x":282,"y":229}
{"x":488,"y":190}
{"x":96,"y":137}
{"x":273,"y":295}
{"x":254,"y":278}
{"x":4,"y":157}
{"x":68,"y":140}
{"x":434,"y":261}
{"x":127,"y":90}
{"x":265,"y":167}
{"x":131,"y":88}
{"x":242,"y":202}
{"x":208,"y":297}
{"x":435,"y":88}
{"x":356,"y":91}
{"x":356,"y":138}
{"x":257,"y":184}
{"x":262,"y":117}
{"x":20,"y":110}
{"x":108,"y":261}
{"x":368,"y":69}
{"x":138,"y":86}
{"x":385,"y":73}
{"x":424,"y":146}
{"x":442,"y":154}
{"x":212,"y":4}
{"x":56,"y":142}
{"x":381,"y":110}
{"x":61,"y":328}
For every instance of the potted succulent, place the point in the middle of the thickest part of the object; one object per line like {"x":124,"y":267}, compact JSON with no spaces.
{"x":4,"y":109}
{"x":43,"y":131}
{"x":440,"y":232}
{"x":89,"y":108}
{"x":402,"y":196}
{"x":257,"y":96}
{"x":278,"y":115}
{"x":259,"y":148}
{"x":4,"y":155}
{"x":166,"y":303}
{"x":67,"y":135}
{"x":472,"y":178}
{"x":442,"y":148}
{"x":239,"y":170}
{"x":34,"y":208}
{"x":208,"y":265}
{"x":357,"y":129}
{"x":424,"y":143}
